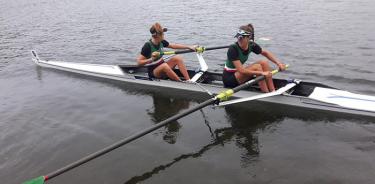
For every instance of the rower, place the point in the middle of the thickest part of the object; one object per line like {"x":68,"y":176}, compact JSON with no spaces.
{"x":235,"y":73}
{"x":150,"y":56}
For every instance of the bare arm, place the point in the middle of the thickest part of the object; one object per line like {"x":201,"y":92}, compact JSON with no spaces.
{"x":240,"y":68}
{"x":141,"y":60}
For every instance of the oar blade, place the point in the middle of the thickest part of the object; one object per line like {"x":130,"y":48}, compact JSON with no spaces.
{"x":38,"y":180}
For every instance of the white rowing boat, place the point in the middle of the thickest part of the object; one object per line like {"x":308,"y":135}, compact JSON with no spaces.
{"x":292,"y":93}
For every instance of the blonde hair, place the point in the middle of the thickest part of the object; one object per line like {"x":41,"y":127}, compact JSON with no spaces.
{"x":156,"y":29}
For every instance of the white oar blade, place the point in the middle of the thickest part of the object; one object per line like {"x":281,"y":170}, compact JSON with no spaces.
{"x":203,"y":68}
{"x":344,"y":99}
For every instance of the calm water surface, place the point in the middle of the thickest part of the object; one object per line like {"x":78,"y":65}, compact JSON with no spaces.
{"x":49,"y":119}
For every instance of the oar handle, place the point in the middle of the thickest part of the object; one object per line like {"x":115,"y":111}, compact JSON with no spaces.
{"x":199,"y":50}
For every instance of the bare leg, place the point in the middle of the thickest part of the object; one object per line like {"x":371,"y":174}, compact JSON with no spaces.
{"x":177,"y":60}
{"x":269,"y":81}
{"x":243,"y":78}
{"x":165,"y":68}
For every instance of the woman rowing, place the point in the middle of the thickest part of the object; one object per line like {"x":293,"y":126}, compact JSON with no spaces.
{"x":236,"y":73}
{"x":157,"y":66}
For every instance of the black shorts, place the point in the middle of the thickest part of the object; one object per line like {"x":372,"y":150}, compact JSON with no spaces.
{"x":229,"y":79}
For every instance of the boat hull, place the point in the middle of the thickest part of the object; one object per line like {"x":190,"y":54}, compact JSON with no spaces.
{"x":277,"y":103}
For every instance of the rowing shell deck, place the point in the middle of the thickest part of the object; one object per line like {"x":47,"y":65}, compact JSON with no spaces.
{"x":305,"y":95}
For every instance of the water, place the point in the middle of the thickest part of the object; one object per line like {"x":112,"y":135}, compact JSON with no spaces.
{"x":49,"y":119}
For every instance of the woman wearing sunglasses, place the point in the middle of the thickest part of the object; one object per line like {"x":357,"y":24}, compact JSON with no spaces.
{"x":157,"y":66}
{"x":235,"y":73}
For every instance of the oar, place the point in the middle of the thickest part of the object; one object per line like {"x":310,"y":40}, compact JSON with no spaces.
{"x":218,"y":98}
{"x":198,"y":49}
{"x":264,"y":95}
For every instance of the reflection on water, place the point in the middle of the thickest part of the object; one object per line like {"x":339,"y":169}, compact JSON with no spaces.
{"x":165,"y":107}
{"x":39,"y":73}
{"x":242,"y":131}
{"x":157,"y":169}
{"x":270,"y":110}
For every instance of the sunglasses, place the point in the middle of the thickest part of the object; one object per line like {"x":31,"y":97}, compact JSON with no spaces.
{"x":243,"y":32}
{"x":242,"y":37}
{"x":154,"y":32}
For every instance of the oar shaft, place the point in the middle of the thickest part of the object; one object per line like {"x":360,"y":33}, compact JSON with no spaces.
{"x":218,"y":47}
{"x":128,"y":139}
{"x":189,"y":50}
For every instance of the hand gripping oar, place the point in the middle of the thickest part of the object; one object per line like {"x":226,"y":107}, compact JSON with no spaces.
{"x":216,"y":99}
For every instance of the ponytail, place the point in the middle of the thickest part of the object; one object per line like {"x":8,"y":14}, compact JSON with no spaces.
{"x":248,"y":28}
{"x":252,"y":31}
